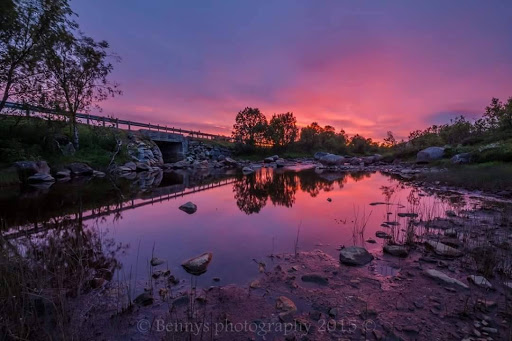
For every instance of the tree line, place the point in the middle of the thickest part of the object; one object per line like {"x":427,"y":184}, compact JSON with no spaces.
{"x":252,"y":130}
{"x":46,"y":60}
{"x":494,"y":125}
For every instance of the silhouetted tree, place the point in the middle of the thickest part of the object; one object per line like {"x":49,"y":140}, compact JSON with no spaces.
{"x":26,"y":29}
{"x":78,"y":70}
{"x":282,"y":129}
{"x":250,"y":127}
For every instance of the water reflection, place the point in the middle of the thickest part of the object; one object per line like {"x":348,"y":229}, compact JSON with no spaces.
{"x":252,"y":192}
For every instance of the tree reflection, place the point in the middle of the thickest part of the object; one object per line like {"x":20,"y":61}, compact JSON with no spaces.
{"x":280,"y":186}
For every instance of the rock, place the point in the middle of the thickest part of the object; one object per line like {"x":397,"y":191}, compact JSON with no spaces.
{"x":40,"y":177}
{"x":332,"y":159}
{"x":198,"y":265}
{"x":97,"y":282}
{"x":229,"y":161}
{"x":65,"y":173}
{"x":68,"y":149}
{"x":286,"y":307}
{"x":371,"y":241}
{"x":26,"y":169}
{"x":130,"y":165}
{"x":355,"y":256}
{"x":452,"y":233}
{"x":280,"y":163}
{"x":329,"y":199}
{"x":141,"y":167}
{"x":315,"y":278}
{"x":442,"y":249}
{"x":156,"y":261}
{"x":450,"y":213}
{"x":408,"y":215}
{"x":144,"y":299}
{"x":396,"y":250}
{"x":382,"y":234}
{"x":462,"y":158}
{"x":508,"y":285}
{"x":432,"y":273}
{"x":255,"y":284}
{"x":268,"y":160}
{"x":98,"y":174}
{"x":490,"y":330}
{"x":79,"y":169}
{"x":480,"y":281}
{"x":247,"y":170}
{"x":430,"y":154}
{"x":189,"y":207}
{"x":319,"y":155}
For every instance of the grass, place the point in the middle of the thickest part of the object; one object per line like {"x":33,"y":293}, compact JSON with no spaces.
{"x":23,"y":138}
{"x":491,"y":176}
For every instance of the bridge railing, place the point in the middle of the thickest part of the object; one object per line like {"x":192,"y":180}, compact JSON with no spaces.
{"x":114,"y":122}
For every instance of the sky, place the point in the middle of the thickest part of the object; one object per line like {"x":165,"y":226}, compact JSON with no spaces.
{"x":367,"y":67}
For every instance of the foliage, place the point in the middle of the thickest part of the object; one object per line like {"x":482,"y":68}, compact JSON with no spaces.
{"x":250,"y":127}
{"x":282,"y":129}
{"x":314,"y":138}
{"x":26,"y":28}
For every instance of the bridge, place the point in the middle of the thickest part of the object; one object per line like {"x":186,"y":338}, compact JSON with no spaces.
{"x":171,"y":140}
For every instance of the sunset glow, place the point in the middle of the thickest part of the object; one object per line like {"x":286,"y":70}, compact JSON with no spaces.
{"x":363,"y":67}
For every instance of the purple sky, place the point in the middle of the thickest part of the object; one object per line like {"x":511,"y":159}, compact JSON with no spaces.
{"x":364,"y":66}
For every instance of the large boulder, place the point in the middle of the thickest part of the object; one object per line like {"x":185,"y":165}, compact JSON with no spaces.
{"x":332,"y":159}
{"x":396,"y":250}
{"x":40,"y":177}
{"x":79,"y":168}
{"x":462,"y":158}
{"x":198,"y":265}
{"x":29,"y":168}
{"x":355,"y":255}
{"x":319,"y":155}
{"x":430,"y":154}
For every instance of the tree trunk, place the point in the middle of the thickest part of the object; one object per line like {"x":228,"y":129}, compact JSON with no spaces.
{"x":75,"y":138}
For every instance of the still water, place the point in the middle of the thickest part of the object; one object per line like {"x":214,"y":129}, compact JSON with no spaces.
{"x":239,"y":218}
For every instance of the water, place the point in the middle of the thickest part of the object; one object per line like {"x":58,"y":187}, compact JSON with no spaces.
{"x":239,"y":219}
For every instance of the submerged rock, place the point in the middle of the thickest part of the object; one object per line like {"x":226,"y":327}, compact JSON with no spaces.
{"x":432,"y":273}
{"x":198,"y":265}
{"x":443,"y":249}
{"x":315,"y":278}
{"x":144,"y":299}
{"x":408,"y":215}
{"x":382,"y":234}
{"x":396,"y":250}
{"x":156,"y":261}
{"x":355,"y":255}
{"x":189,"y":207}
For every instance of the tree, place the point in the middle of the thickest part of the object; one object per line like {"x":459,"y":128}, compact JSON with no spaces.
{"x":499,"y":115}
{"x":282,"y":129}
{"x":26,"y":26}
{"x":78,"y":70}
{"x":250,"y":127}
{"x":389,"y":140}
